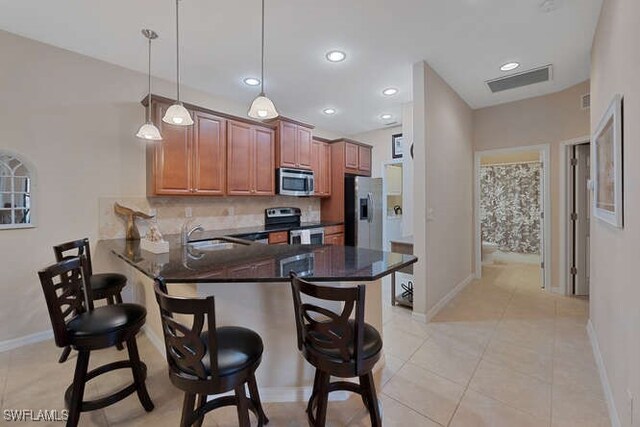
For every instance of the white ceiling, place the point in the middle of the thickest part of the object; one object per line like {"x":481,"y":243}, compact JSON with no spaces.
{"x":463,"y":40}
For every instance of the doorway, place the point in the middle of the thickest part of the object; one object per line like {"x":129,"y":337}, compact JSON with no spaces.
{"x":392,"y":202}
{"x":512,"y":209}
{"x":576,"y":217}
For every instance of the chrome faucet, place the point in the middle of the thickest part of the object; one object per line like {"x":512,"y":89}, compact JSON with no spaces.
{"x":187,"y":232}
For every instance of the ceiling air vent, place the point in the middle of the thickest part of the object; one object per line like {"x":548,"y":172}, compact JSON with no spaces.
{"x":525,"y":78}
{"x":585,"y":101}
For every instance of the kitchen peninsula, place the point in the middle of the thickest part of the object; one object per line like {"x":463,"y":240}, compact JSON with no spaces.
{"x":250,"y":283}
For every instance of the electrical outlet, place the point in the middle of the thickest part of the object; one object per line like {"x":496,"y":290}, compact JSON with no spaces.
{"x":188,"y":212}
{"x":630,"y":406}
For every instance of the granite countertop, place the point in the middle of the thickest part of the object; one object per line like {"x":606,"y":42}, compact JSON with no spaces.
{"x":255,"y":262}
{"x":406,"y":240}
{"x":212,"y":234}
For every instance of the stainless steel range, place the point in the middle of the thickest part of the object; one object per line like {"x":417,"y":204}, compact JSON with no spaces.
{"x":283,"y":217}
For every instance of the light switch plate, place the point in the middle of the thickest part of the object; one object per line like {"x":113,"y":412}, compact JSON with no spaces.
{"x":188,"y":212}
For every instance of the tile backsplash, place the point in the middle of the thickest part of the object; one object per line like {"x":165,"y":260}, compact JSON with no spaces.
{"x":213,"y":214}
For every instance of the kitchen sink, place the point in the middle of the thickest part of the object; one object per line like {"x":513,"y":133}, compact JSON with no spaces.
{"x":219,"y":244}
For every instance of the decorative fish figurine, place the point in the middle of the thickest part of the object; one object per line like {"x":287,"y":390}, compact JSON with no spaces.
{"x":129,"y":215}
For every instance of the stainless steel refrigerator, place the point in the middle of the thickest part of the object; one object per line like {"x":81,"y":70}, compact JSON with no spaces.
{"x":363,"y":212}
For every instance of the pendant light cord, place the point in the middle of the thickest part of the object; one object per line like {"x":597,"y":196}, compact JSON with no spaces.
{"x":262,"y":69}
{"x":149,"y":93}
{"x":178,"y":48}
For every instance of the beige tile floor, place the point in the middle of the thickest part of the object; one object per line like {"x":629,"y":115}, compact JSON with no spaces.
{"x":502,"y":354}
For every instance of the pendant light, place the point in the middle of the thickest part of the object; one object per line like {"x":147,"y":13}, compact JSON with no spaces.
{"x":262,"y":108}
{"x":148,"y":130}
{"x":177,"y":114}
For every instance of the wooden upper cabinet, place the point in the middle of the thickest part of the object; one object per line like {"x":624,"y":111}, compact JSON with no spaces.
{"x":304,"y":147}
{"x":325,"y":169}
{"x":250,"y":160}
{"x":321,"y":166}
{"x":171,"y":158}
{"x":351,"y":156}
{"x":287,"y":145}
{"x":209,"y":155}
{"x":264,"y":167}
{"x":239,"y":159}
{"x":364,"y":159}
{"x":293,"y":145}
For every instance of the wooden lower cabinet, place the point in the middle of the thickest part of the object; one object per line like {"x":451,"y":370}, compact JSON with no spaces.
{"x":250,"y":160}
{"x":334,"y":239}
{"x":279,"y":238}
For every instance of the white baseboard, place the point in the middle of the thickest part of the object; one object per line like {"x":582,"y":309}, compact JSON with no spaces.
{"x":604,"y":379}
{"x":26,"y":340}
{"x":447,"y":298}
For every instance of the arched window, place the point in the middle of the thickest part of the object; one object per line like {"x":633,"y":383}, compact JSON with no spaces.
{"x":16,"y":202}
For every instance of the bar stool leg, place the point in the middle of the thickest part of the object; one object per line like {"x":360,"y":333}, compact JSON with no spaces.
{"x":255,"y":397}
{"x":139,"y":375}
{"x":322,"y":399}
{"x":65,"y":354}
{"x":369,"y":389}
{"x":243,"y":407}
{"x":187,"y":408}
{"x":77,"y":395}
{"x":202,"y":399}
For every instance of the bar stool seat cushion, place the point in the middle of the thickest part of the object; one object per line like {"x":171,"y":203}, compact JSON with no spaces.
{"x":106,"y":320}
{"x":104,"y":281}
{"x":372,"y":343}
{"x":238,"y":348}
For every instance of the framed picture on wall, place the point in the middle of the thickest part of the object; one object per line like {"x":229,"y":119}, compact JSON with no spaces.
{"x":607,"y":167}
{"x":396,"y":146}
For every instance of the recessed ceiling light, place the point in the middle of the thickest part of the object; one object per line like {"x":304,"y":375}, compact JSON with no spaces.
{"x":336,"y":56}
{"x":251,"y":81}
{"x":509,"y":66}
{"x":390,"y":91}
{"x":329,"y":111}
{"x":386,"y":116}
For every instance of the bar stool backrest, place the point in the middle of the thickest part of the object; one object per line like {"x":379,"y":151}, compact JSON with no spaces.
{"x":321,"y":328}
{"x":66,"y":294}
{"x":185,"y":345}
{"x":80,"y":247}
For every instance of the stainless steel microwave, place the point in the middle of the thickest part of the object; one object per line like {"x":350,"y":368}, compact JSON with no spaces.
{"x":295,"y":182}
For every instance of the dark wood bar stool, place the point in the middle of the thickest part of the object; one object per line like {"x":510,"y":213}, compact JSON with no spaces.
{"x":103,"y":286}
{"x":207,"y":361}
{"x":336,"y":346}
{"x":77,"y":324}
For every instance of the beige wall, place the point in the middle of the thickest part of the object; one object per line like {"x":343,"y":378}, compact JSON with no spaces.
{"x":443,"y":137}
{"x":549,"y":119}
{"x":615,"y":287}
{"x":74,"y":118}
{"x":380,"y":139}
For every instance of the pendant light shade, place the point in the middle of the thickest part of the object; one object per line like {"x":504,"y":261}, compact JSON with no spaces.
{"x":148,"y":130}
{"x":262,"y":108}
{"x":177,"y":114}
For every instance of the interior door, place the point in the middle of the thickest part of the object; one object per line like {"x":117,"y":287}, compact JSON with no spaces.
{"x":581,"y":219}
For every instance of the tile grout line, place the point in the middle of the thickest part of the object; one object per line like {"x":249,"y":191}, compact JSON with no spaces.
{"x":411,"y":409}
{"x":464,"y":392}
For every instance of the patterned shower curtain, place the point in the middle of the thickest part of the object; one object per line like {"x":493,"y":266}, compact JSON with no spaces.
{"x":510,"y":206}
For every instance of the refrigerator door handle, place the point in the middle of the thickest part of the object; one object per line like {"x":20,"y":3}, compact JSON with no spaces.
{"x":370,"y":207}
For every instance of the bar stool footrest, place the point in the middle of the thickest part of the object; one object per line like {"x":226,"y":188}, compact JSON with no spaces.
{"x":221,"y":402}
{"x":103,"y":402}
{"x":334,"y":386}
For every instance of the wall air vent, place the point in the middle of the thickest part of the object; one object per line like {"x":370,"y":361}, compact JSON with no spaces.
{"x":526,"y":78}
{"x":585,"y":101}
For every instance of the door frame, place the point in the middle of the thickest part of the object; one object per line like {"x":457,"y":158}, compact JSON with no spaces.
{"x":544,"y":150}
{"x":564,"y":210}
{"x":383,"y":170}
